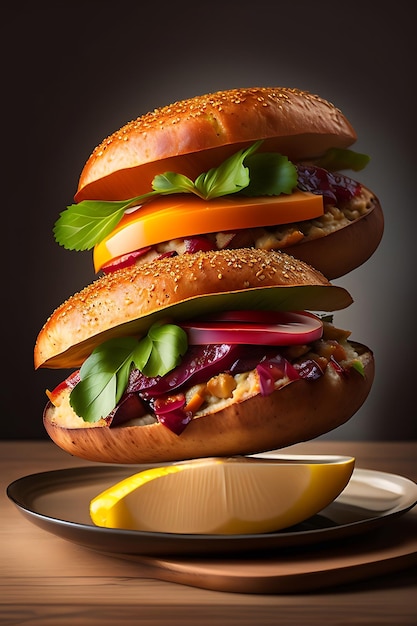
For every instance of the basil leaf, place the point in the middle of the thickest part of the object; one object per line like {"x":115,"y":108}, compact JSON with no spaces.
{"x":336,"y":159}
{"x":161,"y":350}
{"x":83,"y":225}
{"x":94,"y":397}
{"x":103,"y":379}
{"x":228,"y":178}
{"x":170,"y":182}
{"x":104,"y":375}
{"x":271,"y":174}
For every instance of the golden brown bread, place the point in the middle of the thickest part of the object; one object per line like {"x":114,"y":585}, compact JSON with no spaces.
{"x":298,"y":412}
{"x":190,"y":137}
{"x":129,"y":300}
{"x":343,"y":250}
{"x":211,"y":127}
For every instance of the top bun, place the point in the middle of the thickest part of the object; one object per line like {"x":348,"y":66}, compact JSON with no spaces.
{"x":128,"y":301}
{"x":211,"y":127}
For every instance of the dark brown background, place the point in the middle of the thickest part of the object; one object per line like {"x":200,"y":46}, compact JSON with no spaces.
{"x":73,"y":72}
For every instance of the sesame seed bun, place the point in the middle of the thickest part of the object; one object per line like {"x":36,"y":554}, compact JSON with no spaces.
{"x":194,"y":135}
{"x":128,"y":301}
{"x":207,"y":129}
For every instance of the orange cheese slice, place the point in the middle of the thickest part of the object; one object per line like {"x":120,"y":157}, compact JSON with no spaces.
{"x":178,"y":216}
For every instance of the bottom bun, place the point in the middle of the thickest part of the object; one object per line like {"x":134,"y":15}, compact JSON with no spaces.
{"x":360,"y":238}
{"x":298,"y":412}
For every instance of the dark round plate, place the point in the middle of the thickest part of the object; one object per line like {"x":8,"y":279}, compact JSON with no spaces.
{"x":58,"y":501}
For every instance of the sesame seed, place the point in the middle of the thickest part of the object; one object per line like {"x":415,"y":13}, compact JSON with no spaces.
{"x":216,"y":107}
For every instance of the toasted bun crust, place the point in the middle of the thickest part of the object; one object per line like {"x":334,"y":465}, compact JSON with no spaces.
{"x":342,"y":251}
{"x":298,"y":412}
{"x":210,"y":128}
{"x":127,"y":301}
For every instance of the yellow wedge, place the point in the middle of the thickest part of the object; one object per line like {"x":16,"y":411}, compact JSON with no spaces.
{"x":235,"y":495}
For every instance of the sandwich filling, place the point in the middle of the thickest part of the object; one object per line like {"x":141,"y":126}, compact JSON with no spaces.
{"x":211,"y":378}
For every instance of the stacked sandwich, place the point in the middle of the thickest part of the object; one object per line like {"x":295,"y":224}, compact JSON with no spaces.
{"x":216,"y":225}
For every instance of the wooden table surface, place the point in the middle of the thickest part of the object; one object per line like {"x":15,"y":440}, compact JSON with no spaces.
{"x":45,"y":579}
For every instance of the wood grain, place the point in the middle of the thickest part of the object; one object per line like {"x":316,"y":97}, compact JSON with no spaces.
{"x":46,"y":580}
